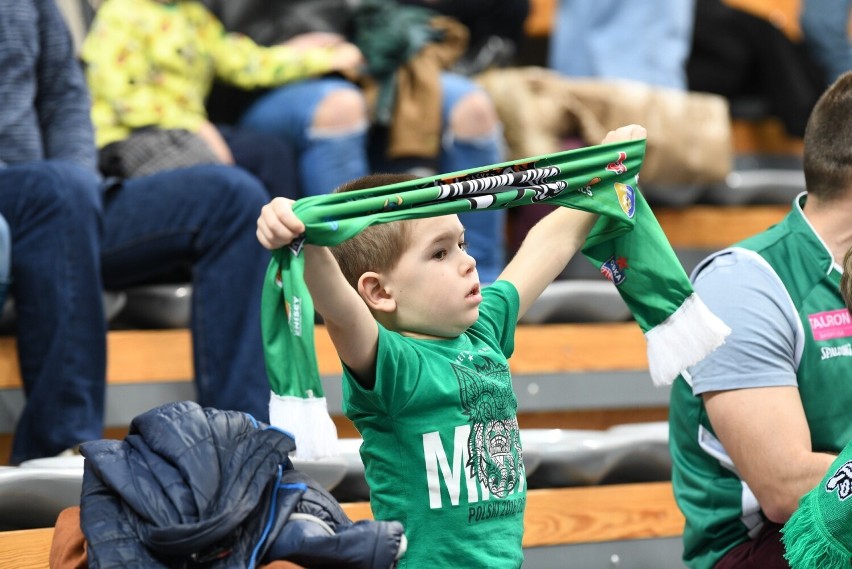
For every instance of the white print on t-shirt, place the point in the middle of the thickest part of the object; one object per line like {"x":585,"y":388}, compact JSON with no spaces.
{"x":450,"y":472}
{"x":487,"y":450}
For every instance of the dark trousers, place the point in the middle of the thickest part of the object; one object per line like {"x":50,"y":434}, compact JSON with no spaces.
{"x":763,"y":552}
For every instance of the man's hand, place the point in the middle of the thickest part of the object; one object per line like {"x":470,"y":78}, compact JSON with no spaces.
{"x":315,"y":39}
{"x":345,"y":56}
{"x":213,"y":138}
{"x":277,"y":225}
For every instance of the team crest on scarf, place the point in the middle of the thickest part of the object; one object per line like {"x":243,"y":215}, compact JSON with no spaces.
{"x":613,"y":269}
{"x":389,"y":205}
{"x":618,"y":166}
{"x":626,"y":198}
{"x":841,"y":481}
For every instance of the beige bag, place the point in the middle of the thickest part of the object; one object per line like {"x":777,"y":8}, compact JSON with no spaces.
{"x":689,"y":134}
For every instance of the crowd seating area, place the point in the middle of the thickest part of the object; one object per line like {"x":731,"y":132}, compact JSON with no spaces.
{"x":593,"y":425}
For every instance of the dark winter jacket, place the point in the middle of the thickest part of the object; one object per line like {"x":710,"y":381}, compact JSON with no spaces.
{"x":193,"y":487}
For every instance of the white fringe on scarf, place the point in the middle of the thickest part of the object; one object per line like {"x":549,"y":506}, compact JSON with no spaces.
{"x":683,"y":339}
{"x":308,"y":421}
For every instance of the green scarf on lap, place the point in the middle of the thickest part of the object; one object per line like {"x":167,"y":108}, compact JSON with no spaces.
{"x":626,"y":244}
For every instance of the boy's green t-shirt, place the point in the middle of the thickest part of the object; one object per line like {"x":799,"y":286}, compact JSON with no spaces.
{"x":442,"y":448}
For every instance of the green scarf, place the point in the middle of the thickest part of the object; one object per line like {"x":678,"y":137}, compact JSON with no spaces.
{"x":626,"y":244}
{"x":819,"y":533}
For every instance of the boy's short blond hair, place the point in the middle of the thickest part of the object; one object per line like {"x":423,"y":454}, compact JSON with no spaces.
{"x":378,"y":247}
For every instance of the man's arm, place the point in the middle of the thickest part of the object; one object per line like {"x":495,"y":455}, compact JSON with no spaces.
{"x":766,"y":434}
{"x":351,"y":326}
{"x":63,"y":101}
{"x":552,"y":242}
{"x":749,"y":384}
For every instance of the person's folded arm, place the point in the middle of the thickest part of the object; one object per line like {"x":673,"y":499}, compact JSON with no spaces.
{"x":766,"y":434}
{"x":749,"y":384}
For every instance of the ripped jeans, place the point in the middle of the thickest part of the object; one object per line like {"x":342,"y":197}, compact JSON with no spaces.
{"x":327,"y":159}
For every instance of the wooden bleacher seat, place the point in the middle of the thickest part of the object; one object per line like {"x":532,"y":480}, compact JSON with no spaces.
{"x":561,"y":517}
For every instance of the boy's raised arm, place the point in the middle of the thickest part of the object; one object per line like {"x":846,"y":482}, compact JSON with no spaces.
{"x":552,"y":242}
{"x":351,"y":326}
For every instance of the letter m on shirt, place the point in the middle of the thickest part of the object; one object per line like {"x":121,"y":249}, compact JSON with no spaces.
{"x":449,"y":470}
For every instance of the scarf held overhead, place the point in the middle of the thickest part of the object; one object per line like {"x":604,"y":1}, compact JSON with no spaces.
{"x":626,"y":244}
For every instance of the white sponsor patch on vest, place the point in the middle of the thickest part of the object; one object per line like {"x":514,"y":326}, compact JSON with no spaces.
{"x":831,"y":324}
{"x":829,"y":352}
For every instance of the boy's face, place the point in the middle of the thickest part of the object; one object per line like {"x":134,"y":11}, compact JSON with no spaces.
{"x":435,"y":283}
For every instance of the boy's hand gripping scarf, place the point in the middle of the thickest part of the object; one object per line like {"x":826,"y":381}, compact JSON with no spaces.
{"x":626,"y":244}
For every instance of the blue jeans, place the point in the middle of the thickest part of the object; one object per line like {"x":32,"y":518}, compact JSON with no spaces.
{"x":647,"y":41}
{"x":53,"y":210}
{"x":202,"y":219}
{"x":327,"y":160}
{"x":267,"y":157}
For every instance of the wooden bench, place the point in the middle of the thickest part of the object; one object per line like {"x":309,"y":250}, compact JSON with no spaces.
{"x":553,"y":517}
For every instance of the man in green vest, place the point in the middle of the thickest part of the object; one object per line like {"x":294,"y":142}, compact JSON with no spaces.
{"x":757,"y":424}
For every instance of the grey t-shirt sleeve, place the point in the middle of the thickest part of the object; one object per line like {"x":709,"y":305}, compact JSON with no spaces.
{"x":764,"y":346}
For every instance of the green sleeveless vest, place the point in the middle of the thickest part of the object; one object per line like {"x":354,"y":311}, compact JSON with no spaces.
{"x":711,"y":495}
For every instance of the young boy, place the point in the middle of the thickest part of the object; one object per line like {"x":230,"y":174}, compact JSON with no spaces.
{"x":426,"y":376}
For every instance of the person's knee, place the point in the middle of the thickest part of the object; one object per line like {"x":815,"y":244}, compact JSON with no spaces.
{"x":341,"y":111}
{"x":474,"y":116}
{"x":240,"y":194}
{"x":234,"y":181}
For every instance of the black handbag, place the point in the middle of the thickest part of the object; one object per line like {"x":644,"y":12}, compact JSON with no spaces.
{"x":150,"y":150}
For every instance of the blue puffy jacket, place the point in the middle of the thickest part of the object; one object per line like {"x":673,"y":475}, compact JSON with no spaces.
{"x":199,"y":487}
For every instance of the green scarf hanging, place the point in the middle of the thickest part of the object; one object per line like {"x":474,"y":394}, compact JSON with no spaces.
{"x":819,"y":533}
{"x":626,"y":244}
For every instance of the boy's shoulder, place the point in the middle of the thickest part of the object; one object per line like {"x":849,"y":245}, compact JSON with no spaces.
{"x":501,"y":293}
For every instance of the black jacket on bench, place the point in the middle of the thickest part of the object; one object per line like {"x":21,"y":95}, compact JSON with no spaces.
{"x":192,"y":486}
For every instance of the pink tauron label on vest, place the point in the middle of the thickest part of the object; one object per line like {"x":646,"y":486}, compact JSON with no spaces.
{"x":831,"y":324}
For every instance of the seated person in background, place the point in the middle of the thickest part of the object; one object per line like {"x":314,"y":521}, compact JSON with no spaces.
{"x":150,"y":65}
{"x":329,"y":121}
{"x":757,"y":423}
{"x":496,"y":29}
{"x":825,"y":30}
{"x":585,"y":42}
{"x":746,"y":57}
{"x":69,"y":239}
{"x":419,"y":338}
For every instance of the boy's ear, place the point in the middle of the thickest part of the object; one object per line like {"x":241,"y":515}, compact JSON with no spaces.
{"x":372,"y":290}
